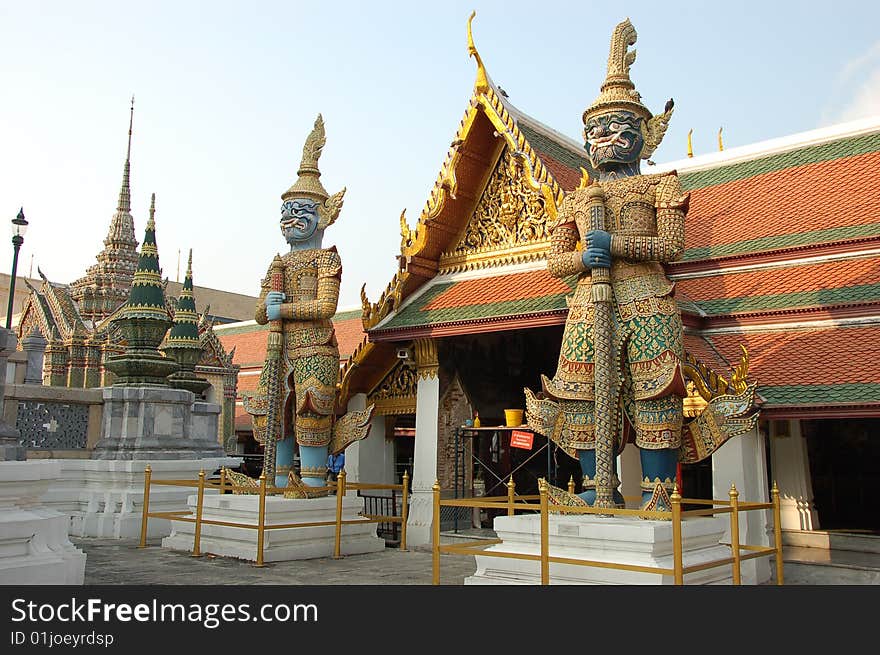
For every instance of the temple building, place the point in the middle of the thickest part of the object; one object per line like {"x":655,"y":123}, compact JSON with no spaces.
{"x":67,"y":329}
{"x":779,"y":284}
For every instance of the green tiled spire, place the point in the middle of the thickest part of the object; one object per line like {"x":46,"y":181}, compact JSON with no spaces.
{"x":183,"y":343}
{"x":185,"y":331}
{"x":143,"y":321}
{"x":147,"y":297}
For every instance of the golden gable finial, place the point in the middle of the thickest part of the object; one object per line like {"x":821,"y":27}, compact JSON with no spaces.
{"x":482,"y":83}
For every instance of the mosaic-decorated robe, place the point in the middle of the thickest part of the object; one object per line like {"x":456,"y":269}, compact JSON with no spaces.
{"x":645,"y":216}
{"x":310,"y":352}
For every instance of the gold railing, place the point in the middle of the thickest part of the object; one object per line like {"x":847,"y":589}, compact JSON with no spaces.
{"x":732,"y":506}
{"x":224,"y":486}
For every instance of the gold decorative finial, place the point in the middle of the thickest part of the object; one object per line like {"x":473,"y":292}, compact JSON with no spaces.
{"x":189,"y":263}
{"x":482,"y":83}
{"x":308,"y":183}
{"x":151,"y":223}
{"x":130,"y":125}
{"x":690,"y":143}
{"x":720,"y":142}
{"x":618,"y":93}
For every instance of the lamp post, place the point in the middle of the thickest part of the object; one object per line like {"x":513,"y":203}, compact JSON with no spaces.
{"x":19,"y":227}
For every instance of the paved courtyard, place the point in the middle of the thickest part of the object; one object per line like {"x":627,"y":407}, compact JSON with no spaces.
{"x":111,"y":562}
{"x":121,"y":562}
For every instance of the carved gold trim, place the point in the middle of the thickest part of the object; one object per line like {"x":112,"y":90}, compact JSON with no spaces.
{"x":372,"y":314}
{"x":508,"y":224}
{"x":426,"y":358}
{"x":354,"y":360}
{"x":709,"y":384}
{"x":395,"y":406}
{"x":396,"y":393}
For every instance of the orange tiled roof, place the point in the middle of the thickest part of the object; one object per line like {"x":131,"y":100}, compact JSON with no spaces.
{"x":820,"y":284}
{"x":700,"y":348}
{"x":835,"y":355}
{"x":792,"y":200}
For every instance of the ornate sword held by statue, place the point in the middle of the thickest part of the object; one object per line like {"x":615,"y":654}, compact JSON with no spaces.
{"x":603,"y":361}
{"x":273,"y":374}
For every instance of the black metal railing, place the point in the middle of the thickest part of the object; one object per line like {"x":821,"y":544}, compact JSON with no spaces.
{"x":383,"y":506}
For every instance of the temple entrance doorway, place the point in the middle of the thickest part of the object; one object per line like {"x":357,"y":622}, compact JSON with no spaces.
{"x":845,"y":470}
{"x":495,"y":367}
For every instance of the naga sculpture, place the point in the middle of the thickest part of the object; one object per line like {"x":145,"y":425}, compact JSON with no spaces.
{"x":619,"y":377}
{"x":297,"y":392}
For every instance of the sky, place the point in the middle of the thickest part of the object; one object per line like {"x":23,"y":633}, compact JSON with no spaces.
{"x":226,"y":93}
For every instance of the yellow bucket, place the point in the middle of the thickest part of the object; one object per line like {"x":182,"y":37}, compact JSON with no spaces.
{"x":513,"y":417}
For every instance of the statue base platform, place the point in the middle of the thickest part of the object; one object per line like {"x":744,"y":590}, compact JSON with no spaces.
{"x":279,"y":545}
{"x":34,"y":545}
{"x":144,"y":423}
{"x":105,"y":498}
{"x":620,"y":540}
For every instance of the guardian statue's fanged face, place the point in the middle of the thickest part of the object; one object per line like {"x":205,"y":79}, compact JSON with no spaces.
{"x":299,"y":219}
{"x":613,"y":138}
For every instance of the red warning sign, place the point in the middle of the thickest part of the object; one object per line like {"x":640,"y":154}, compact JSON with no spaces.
{"x":521,"y":439}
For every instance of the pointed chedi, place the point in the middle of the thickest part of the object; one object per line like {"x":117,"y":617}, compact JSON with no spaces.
{"x":107,"y":283}
{"x":183,"y":343}
{"x":144,"y":320}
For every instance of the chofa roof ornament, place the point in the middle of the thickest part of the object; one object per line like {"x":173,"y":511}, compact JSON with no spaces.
{"x":618,"y":93}
{"x":308,"y":184}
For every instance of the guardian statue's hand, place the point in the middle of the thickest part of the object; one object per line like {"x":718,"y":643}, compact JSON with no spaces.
{"x":596,"y":258}
{"x":598,"y":239}
{"x":273,"y":304}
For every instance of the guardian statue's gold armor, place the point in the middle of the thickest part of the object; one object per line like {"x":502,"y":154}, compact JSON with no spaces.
{"x":644,"y":215}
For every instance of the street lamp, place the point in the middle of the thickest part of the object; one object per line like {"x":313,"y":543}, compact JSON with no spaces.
{"x":19,"y":227}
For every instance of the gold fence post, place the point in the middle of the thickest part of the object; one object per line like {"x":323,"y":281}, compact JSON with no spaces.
{"x":261,"y":520}
{"x":677,"y":565}
{"x":734,"y":532}
{"x":777,"y":533}
{"x":435,"y":534}
{"x":511,"y":491}
{"x":340,"y":494}
{"x":222,"y":480}
{"x":197,"y":537}
{"x":404,"y":511}
{"x":543,"y":489}
{"x":571,"y":484}
{"x":148,"y":474}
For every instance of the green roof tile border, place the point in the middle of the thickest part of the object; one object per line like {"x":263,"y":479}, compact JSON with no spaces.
{"x":838,"y":149}
{"x":817,"y":298}
{"x":783,"y":241}
{"x":820,"y":394}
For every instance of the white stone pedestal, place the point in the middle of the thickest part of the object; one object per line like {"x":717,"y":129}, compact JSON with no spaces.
{"x":282,"y":544}
{"x":621,"y":540}
{"x":105,"y":498}
{"x":34,"y":547}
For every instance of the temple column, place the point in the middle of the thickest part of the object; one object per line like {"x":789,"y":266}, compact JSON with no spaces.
{"x":10,"y":446}
{"x":34,"y":346}
{"x":76,"y":373}
{"x":741,"y":461}
{"x":421,"y":509}
{"x":790,"y":464}
{"x":365,"y":459}
{"x":228,"y":413}
{"x":92,"y":376}
{"x":56,"y":372}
